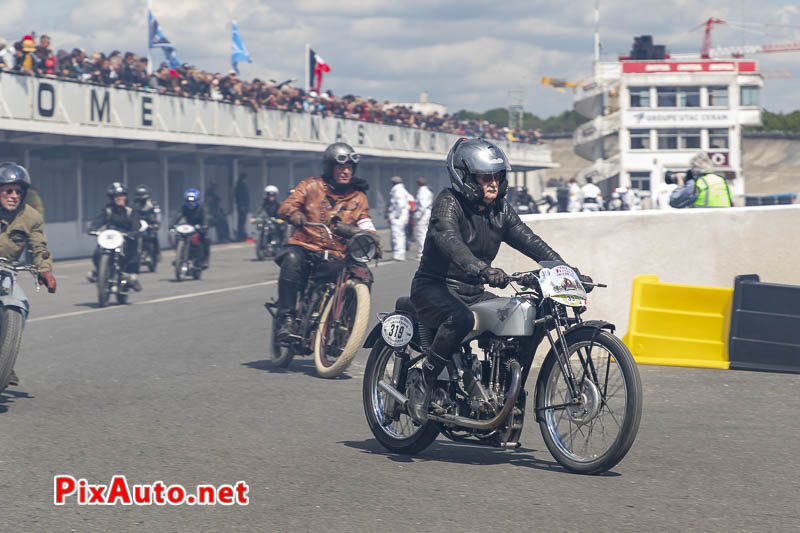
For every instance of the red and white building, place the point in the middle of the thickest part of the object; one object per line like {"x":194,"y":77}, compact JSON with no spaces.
{"x":650,"y":116}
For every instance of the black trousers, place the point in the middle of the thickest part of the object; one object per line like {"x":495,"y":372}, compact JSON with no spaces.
{"x":241,"y":223}
{"x":297,"y":264}
{"x":444,"y":309}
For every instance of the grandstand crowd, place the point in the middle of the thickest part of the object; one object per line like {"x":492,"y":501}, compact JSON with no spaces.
{"x":128,"y":70}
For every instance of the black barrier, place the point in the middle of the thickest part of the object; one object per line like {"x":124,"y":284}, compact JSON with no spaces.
{"x":765,"y":326}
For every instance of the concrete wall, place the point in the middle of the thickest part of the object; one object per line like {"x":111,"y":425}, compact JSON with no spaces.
{"x":693,"y":246}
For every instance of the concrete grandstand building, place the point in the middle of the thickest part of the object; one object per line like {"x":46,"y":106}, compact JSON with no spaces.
{"x":652,"y":115}
{"x":76,"y":138}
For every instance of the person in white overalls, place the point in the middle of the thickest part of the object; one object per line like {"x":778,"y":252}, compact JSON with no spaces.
{"x":592,"y":196}
{"x":423,"y":213}
{"x":398,"y":217}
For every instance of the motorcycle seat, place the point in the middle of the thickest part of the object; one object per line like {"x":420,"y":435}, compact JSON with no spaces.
{"x":405,"y":305}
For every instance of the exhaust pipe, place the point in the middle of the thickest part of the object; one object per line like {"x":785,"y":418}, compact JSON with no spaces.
{"x":398,"y":396}
{"x":516,"y":386}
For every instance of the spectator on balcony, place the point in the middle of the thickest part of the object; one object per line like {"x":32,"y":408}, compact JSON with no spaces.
{"x":25,"y":53}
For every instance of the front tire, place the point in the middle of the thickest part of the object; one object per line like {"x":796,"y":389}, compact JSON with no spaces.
{"x":391,"y":425}
{"x":10,"y":341}
{"x":594,"y":436}
{"x":180,"y":251}
{"x":344,"y":336}
{"x":102,"y":280}
{"x":259,"y":246}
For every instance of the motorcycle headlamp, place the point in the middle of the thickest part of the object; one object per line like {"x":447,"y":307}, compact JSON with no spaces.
{"x":362,"y":247}
{"x":342,"y":159}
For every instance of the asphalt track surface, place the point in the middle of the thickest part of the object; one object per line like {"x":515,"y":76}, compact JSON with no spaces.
{"x":178,"y":386}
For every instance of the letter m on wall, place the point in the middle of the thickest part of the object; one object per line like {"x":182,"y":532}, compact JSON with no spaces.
{"x":100,"y":109}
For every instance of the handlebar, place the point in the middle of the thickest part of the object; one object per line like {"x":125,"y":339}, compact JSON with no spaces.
{"x":519,"y":276}
{"x":317,"y":225}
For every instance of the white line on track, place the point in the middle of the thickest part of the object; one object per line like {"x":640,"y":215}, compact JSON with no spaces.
{"x":167,"y":299}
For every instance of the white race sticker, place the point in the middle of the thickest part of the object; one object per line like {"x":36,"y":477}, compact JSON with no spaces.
{"x":397,"y":330}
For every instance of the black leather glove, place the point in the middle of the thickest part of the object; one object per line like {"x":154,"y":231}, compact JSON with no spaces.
{"x":529,"y":280}
{"x":495,"y":277}
{"x":345,"y":230}
{"x":298,"y":219}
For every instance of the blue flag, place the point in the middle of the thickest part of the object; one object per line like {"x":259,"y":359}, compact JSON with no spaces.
{"x":157,"y":39}
{"x":238,"y":50}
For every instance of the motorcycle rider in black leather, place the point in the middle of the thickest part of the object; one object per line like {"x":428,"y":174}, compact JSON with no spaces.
{"x":193,"y":212}
{"x":117,"y":214}
{"x":148,"y":210}
{"x":468,"y":223}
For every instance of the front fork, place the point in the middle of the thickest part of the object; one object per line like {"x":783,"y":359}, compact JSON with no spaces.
{"x":563,"y":358}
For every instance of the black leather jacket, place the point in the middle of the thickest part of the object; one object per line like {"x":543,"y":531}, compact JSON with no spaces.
{"x":462,"y":241}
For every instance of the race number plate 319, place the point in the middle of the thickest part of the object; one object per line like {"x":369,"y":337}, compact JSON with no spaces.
{"x":397,"y":330}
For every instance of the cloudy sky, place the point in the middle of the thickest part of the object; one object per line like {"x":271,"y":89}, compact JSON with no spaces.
{"x":465,"y":53}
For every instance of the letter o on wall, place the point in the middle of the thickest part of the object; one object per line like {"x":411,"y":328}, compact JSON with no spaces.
{"x":46,"y":104}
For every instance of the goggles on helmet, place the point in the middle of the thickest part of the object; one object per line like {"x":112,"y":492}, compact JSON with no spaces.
{"x":342,"y":159}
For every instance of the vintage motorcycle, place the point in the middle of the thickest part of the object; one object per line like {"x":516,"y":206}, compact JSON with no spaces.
{"x":333,"y":308}
{"x":588,"y":394}
{"x":270,"y":233}
{"x":149,"y":253}
{"x":188,"y":252}
{"x":12,"y":312}
{"x":110,"y":278}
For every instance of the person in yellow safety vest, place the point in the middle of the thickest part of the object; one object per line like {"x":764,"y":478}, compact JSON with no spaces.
{"x":701,"y":187}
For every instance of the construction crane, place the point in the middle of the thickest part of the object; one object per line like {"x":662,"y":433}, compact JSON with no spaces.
{"x":706,"y":52}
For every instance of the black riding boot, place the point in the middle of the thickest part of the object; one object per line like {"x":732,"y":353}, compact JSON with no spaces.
{"x":287,"y":303}
{"x":419,"y":390}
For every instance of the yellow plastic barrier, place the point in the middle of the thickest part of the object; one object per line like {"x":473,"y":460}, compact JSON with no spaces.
{"x":679,"y":325}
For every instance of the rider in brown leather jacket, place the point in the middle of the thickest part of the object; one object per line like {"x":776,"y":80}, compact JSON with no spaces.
{"x":337,"y":193}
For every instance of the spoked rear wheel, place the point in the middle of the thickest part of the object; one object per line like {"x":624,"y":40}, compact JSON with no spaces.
{"x":593,"y":436}
{"x":389,"y":422}
{"x":338,"y":340}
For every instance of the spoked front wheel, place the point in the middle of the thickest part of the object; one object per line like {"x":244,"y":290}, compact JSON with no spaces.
{"x":592,"y":436}
{"x":339,"y":337}
{"x":389,"y":421}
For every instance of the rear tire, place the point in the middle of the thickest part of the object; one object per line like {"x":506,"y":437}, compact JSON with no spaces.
{"x":577,"y":436}
{"x":122,"y":299}
{"x":10,"y":341}
{"x":327,"y":367}
{"x":281,"y":355}
{"x":102,"y":280}
{"x":398,"y":434}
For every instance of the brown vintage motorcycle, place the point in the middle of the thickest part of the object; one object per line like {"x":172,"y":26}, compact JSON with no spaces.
{"x":333,"y":308}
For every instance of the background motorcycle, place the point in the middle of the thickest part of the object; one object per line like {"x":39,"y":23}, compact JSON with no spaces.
{"x":110,"y":278}
{"x":12,"y":311}
{"x":332,"y":310}
{"x":270,"y":233}
{"x":588,"y":399}
{"x":188,"y":252}
{"x":149,"y":253}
